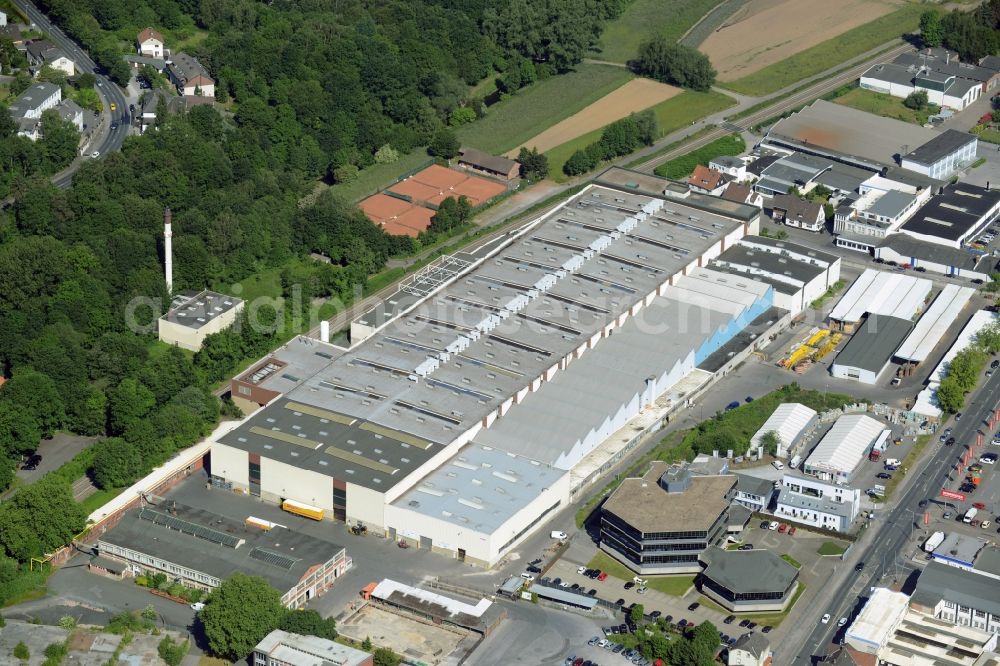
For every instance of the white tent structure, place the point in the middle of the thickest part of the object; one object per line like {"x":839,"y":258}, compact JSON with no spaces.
{"x":843,"y":447}
{"x":789,"y":420}
{"x":878,"y":292}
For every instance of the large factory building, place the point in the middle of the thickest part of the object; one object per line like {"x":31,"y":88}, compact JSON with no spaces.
{"x":456,"y":425}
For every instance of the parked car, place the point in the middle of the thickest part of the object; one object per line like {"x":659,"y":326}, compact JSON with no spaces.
{"x":826,"y":618}
{"x":763,"y":524}
{"x":197,"y":606}
{"x":842,"y":621}
{"x":629,"y":585}
{"x":766,"y":629}
{"x":773,"y":525}
{"x":602,"y":576}
{"x":694,"y":606}
{"x":985,"y":524}
{"x":782,"y":528}
{"x":746,"y":546}
{"x":988,"y":458}
{"x":979,"y":505}
{"x":579,"y":570}
{"x":791,"y":530}
{"x":883,"y":475}
{"x":534,"y":569}
{"x":949,"y":441}
{"x":859,"y":567}
{"x":642,"y":590}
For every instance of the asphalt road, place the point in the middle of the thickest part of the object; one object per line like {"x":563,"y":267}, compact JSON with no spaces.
{"x":892,"y":532}
{"x":104,"y":138}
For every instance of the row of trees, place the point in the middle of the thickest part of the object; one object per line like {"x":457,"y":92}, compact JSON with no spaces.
{"x":619,"y":138}
{"x":245,"y":609}
{"x":965,"y":369}
{"x":353,"y":77}
{"x":972,"y":35}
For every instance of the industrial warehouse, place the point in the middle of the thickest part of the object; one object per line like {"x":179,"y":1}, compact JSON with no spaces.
{"x":460,"y":424}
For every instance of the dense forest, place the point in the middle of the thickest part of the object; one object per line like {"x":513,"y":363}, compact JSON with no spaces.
{"x":306,"y":88}
{"x":337,"y":81}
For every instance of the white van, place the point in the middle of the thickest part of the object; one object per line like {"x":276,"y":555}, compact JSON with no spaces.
{"x":795,"y":462}
{"x":778,"y":465}
{"x":555,"y":534}
{"x":970,"y":515}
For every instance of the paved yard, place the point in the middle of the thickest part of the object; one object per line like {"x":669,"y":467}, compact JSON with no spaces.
{"x":415,"y":640}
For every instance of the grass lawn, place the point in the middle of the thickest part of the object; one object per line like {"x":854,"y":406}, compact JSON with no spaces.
{"x":989,"y":135}
{"x":380,"y":176}
{"x":263,"y":283}
{"x":527,"y":113}
{"x":681,"y":167}
{"x":611,"y":566}
{"x":708,"y":603}
{"x":671,"y":115}
{"x":675,"y":586}
{"x":99,"y":499}
{"x":727,"y":430}
{"x":644,"y":18}
{"x":882,"y":104}
{"x":830,"y":548}
{"x":830,"y":53}
{"x":791,"y":560}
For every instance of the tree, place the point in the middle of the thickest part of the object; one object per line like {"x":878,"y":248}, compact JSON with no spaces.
{"x":462,"y":115}
{"x":386,"y":657}
{"x":36,"y":394}
{"x":23,"y":535}
{"x":706,"y":636}
{"x":171,"y":651}
{"x":308,"y":622}
{"x":7,"y":125}
{"x":128,"y":403}
{"x":916,"y":100}
{"x":19,"y":431}
{"x":366,"y":644}
{"x":637,"y":613}
{"x":444,"y":144}
{"x":85,"y":80}
{"x":386,"y":155}
{"x":581,"y":161}
{"x":534,"y":165}
{"x":60,"y":139}
{"x":931,"y":33}
{"x":117,"y":463}
{"x":677,"y":64}
{"x":239,"y":613}
{"x":771,"y":440}
{"x":345,"y":173}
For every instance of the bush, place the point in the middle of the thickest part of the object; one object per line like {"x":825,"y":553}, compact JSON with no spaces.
{"x":21,"y":651}
{"x":619,"y":138}
{"x":171,"y":651}
{"x":142,"y":581}
{"x":176,"y":590}
{"x":672,"y":63}
{"x":916,"y":100}
{"x":345,"y":173}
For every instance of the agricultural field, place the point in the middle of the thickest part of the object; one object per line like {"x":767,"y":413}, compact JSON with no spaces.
{"x":790,"y":63}
{"x":531,"y":111}
{"x":642,"y":18}
{"x":636,"y":95}
{"x":671,"y":115}
{"x":882,"y":104}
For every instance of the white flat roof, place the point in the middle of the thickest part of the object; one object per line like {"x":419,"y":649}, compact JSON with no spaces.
{"x":877,"y":292}
{"x":788,"y":420}
{"x":385,"y":589}
{"x":934,"y":323}
{"x":881,"y":614}
{"x":843,"y":447}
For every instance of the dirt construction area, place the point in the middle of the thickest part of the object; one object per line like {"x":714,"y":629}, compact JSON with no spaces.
{"x":764,"y":32}
{"x":636,"y":95}
{"x":416,"y":641}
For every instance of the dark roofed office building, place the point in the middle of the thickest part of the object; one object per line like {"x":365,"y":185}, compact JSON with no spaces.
{"x":958,"y":596}
{"x":660,"y":523}
{"x":943,"y":155}
{"x":958,"y":213}
{"x":201,"y":549}
{"x":748,"y":580}
{"x":870,"y":350}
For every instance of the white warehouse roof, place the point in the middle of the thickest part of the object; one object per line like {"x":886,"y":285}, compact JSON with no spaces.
{"x":934,"y":323}
{"x":843,"y":447}
{"x":386,"y":588}
{"x":878,"y":292}
{"x":881,"y":614}
{"x":788,"y":420}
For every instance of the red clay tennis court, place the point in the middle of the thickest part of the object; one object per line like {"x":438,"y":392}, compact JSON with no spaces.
{"x":410,"y":223}
{"x":382,"y":207}
{"x":478,"y":190}
{"x":418,"y":192}
{"x":397,"y":217}
{"x":439,"y":177}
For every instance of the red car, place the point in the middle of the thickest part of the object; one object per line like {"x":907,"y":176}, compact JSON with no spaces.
{"x":979,"y":505}
{"x":602,"y":576}
{"x":791,"y":530}
{"x":783,"y":527}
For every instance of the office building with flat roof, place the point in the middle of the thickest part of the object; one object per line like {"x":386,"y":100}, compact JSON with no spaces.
{"x":661,"y":522}
{"x":810,"y":501}
{"x":957,"y":214}
{"x":959,"y":596}
{"x":283,"y":648}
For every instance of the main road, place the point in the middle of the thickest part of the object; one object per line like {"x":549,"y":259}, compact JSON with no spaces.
{"x":104,"y":138}
{"x":886,"y":541}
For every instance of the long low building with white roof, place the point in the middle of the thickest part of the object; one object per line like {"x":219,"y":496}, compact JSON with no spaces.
{"x":454,"y":425}
{"x":878,"y":292}
{"x":843,"y":447}
{"x":931,"y":327}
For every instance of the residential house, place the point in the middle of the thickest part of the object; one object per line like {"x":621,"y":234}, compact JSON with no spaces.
{"x":137,"y":61}
{"x":26,"y":110}
{"x":744,"y":194}
{"x":796,"y":212}
{"x":490,"y":165}
{"x":733,"y":167}
{"x":706,"y":181}
{"x":190,"y":76}
{"x":71,"y":112}
{"x":750,"y":649}
{"x":150,"y":43}
{"x":42,"y":52}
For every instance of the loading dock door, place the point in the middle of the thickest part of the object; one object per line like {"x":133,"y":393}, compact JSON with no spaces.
{"x":425,"y":543}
